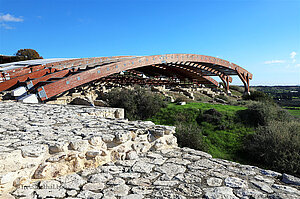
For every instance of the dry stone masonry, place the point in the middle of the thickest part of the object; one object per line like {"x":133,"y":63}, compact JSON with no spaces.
{"x":47,"y":141}
{"x":54,"y":151}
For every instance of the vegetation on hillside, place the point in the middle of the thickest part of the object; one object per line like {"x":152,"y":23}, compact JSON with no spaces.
{"x":138,"y":103}
{"x":276,"y":145}
{"x":258,"y":132}
{"x":216,"y":127}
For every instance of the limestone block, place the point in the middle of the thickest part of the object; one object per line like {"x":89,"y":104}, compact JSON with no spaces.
{"x":131,"y":155}
{"x":59,"y":147}
{"x":34,"y":150}
{"x":7,"y":177}
{"x":79,"y":145}
{"x":97,"y":141}
{"x":290,"y":179}
{"x":141,"y":147}
{"x":157,"y":133}
{"x":93,"y":153}
{"x":121,"y":137}
{"x":119,"y":113}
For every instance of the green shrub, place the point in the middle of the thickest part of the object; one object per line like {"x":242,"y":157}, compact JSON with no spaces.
{"x":223,"y":97}
{"x":258,"y":96}
{"x":180,"y":99}
{"x":189,"y":135}
{"x":277,"y":146}
{"x":211,"y":116}
{"x":239,"y":89}
{"x":260,"y":113}
{"x":139,"y":104}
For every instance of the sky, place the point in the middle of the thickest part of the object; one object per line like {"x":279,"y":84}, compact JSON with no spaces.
{"x":262,"y":36}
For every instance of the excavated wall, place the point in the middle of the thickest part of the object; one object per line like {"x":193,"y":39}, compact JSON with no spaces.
{"x":57,"y":151}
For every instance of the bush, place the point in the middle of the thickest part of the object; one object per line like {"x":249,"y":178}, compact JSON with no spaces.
{"x":189,"y":135}
{"x":277,"y":146}
{"x":237,"y":88}
{"x":260,"y":113}
{"x":180,"y":99}
{"x":258,"y":96}
{"x":211,"y":116}
{"x":139,"y":104}
{"x":223,"y":97}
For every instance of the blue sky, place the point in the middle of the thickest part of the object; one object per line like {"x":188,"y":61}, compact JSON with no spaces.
{"x":262,"y":36}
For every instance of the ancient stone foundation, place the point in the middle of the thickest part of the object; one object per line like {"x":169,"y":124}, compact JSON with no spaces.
{"x":48,"y":141}
{"x":56,"y":151}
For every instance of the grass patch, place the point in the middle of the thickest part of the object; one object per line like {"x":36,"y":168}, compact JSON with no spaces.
{"x":295,"y":111}
{"x":216,"y":127}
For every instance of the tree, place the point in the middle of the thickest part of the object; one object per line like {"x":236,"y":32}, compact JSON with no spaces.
{"x":27,"y":54}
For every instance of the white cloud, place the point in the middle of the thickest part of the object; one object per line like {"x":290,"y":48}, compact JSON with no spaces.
{"x":10,"y":18}
{"x":293,"y":54}
{"x":274,"y":62}
{"x":5,"y":26}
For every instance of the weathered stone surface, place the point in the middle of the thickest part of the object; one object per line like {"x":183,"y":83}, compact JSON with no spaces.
{"x":249,"y":193}
{"x":283,"y":196}
{"x":188,"y":178}
{"x":33,"y":150}
{"x":142,"y":167}
{"x":47,"y":141}
{"x":264,"y":179}
{"x":214,"y":182}
{"x":263,"y":186}
{"x":115,"y":181}
{"x":204,"y":164}
{"x":92,"y":145}
{"x":100,"y":177}
{"x":170,"y":169}
{"x":190,"y":190}
{"x":7,"y":177}
{"x":73,"y":181}
{"x":166,"y":193}
{"x":133,"y":196}
{"x":219,"y":192}
{"x":290,"y":179}
{"x":169,"y":183}
{"x":286,"y":189}
{"x":89,"y":194}
{"x":270,"y":173}
{"x":235,"y":182}
{"x":169,"y":179}
{"x":119,"y":190}
{"x":54,"y":193}
{"x":93,"y":186}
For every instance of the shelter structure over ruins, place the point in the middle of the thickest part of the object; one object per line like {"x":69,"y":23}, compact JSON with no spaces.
{"x":41,"y":80}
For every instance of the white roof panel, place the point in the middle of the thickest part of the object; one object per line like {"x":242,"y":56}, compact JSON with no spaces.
{"x":19,"y":64}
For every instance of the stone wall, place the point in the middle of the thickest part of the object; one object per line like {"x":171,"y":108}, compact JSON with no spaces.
{"x":47,"y":141}
{"x":55,"y":151}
